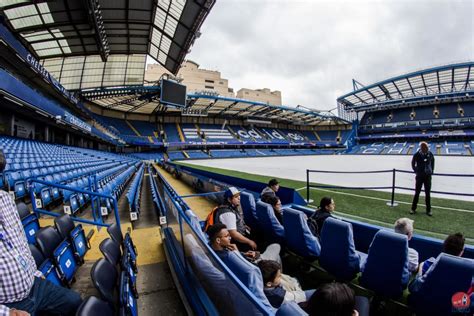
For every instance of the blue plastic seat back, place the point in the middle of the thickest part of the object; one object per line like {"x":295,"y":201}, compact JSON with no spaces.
{"x":111,"y":250}
{"x":298,"y":236}
{"x":23,"y":210}
{"x":248,"y":274}
{"x":65,"y":259}
{"x":92,"y":306}
{"x":247,"y":202}
{"x":272,"y":229}
{"x":447,"y":276}
{"x":386,"y":268}
{"x":64,"y":225}
{"x":104,"y":278}
{"x":31,"y":226}
{"x":115,"y":233}
{"x":338,"y":254}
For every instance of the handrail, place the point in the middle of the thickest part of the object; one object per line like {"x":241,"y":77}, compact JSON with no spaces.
{"x":52,"y":184}
{"x":181,"y":206}
{"x":392,"y":187}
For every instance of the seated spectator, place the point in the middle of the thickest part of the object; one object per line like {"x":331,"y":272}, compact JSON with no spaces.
{"x":270,"y":190}
{"x":453,"y":245}
{"x":220,"y":240}
{"x":336,"y":299}
{"x":230,"y":215}
{"x":275,"y":202}
{"x":274,"y":291}
{"x":404,"y":226}
{"x":316,"y":221}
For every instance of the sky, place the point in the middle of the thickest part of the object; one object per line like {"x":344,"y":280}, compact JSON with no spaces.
{"x":311,"y":50}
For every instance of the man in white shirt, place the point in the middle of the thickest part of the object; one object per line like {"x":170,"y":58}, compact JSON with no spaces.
{"x":229,"y":215}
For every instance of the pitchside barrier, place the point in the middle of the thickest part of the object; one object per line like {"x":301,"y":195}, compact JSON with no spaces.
{"x":459,"y":185}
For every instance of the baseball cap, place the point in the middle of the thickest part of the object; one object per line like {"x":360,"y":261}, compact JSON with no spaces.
{"x":230,"y":192}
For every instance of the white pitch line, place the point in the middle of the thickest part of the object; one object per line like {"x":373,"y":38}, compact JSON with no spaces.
{"x":385,"y":200}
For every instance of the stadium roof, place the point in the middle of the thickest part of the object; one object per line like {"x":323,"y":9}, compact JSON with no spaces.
{"x":445,"y":82}
{"x":145,"y":100}
{"x":95,"y":43}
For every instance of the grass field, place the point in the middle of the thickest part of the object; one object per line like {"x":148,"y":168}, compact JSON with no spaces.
{"x":449,"y":216}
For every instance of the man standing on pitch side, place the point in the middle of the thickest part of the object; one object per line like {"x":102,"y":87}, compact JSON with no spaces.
{"x":423,"y":165}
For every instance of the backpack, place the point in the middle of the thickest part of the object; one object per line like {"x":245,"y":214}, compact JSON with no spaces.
{"x":210,"y":219}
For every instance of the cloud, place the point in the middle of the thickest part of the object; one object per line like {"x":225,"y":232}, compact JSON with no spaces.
{"x":311,"y":50}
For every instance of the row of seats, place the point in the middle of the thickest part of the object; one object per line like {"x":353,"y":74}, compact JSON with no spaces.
{"x":383,"y":272}
{"x":114,"y":277}
{"x":134,"y":193}
{"x":58,"y":251}
{"x":236,"y":153}
{"x":457,"y":148}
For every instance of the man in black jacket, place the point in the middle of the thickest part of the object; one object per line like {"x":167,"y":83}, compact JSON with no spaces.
{"x":423,"y":165}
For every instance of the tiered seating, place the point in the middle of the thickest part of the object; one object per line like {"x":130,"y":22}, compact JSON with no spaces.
{"x":215,"y":133}
{"x":171,"y":132}
{"x":134,"y":193}
{"x":63,"y":165}
{"x":197,"y":154}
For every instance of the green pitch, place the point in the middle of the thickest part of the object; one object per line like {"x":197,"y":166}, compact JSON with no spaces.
{"x":449,"y":216}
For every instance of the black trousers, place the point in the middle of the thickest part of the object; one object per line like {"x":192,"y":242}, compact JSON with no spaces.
{"x":426,"y":182}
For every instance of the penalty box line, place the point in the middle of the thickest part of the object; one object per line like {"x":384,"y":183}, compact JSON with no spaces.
{"x":385,"y":200}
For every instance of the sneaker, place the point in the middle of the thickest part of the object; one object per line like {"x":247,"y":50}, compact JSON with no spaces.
{"x":429,"y":213}
{"x":412,"y":212}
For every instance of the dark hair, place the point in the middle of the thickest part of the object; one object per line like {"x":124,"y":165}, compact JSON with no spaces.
{"x":325,"y":201}
{"x":214,"y":230}
{"x":454,"y":244}
{"x":272,"y":200}
{"x":273,"y":182}
{"x":269,"y":269}
{"x":332,"y":299}
{"x":3,"y":161}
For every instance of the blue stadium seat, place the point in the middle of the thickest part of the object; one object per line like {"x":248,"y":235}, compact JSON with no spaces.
{"x":111,"y":251}
{"x":46,"y":266}
{"x":104,"y":278}
{"x":386,"y":269}
{"x":272,"y":229}
{"x":247,"y":201}
{"x":248,"y":274}
{"x":432,"y":294}
{"x":29,"y":221}
{"x":74,"y":233}
{"x":298,"y":236}
{"x":338,"y":254}
{"x":59,"y":251}
{"x":92,"y":306}
{"x":125,"y":242}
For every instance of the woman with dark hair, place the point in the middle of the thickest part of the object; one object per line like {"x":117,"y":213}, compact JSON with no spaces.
{"x":275,"y":202}
{"x":332,"y":299}
{"x":316,"y":221}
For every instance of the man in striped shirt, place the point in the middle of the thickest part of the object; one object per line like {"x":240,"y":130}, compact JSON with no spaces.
{"x":23,"y":289}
